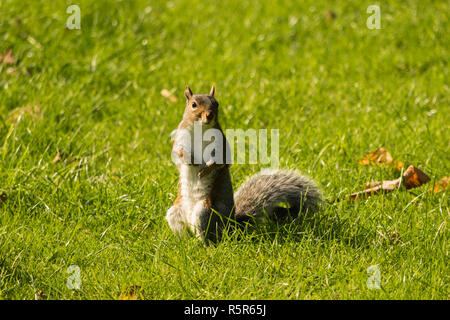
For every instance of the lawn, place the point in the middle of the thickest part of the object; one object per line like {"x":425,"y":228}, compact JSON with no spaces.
{"x":86,"y":175}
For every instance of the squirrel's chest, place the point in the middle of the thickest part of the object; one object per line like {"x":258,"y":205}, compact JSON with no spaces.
{"x":194,"y":188}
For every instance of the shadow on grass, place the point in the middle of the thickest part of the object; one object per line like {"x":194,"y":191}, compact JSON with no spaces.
{"x":322,"y":226}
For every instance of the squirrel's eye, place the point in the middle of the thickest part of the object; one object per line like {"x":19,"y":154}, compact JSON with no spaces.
{"x":194,"y":105}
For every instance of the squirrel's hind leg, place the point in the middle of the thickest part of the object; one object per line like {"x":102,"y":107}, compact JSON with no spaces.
{"x":204,"y":223}
{"x":175,"y":218}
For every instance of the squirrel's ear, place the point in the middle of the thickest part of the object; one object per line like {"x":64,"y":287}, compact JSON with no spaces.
{"x":211,"y":93}
{"x":188,"y":93}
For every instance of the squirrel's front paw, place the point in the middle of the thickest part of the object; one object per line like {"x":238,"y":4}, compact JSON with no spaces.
{"x":206,"y":168}
{"x":209,"y":167}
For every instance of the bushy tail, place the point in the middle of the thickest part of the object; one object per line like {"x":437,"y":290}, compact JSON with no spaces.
{"x":276,"y":193}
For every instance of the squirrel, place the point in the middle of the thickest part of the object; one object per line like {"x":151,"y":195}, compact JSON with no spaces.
{"x":205,"y":201}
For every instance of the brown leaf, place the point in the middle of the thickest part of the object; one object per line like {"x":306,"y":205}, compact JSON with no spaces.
{"x":381,"y":157}
{"x":414,"y":177}
{"x":40,"y":294}
{"x":397,"y":165}
{"x":131,"y":293}
{"x":373,"y":188}
{"x":371,"y":185}
{"x":7,"y":57}
{"x":58,"y":157}
{"x":168,"y":95}
{"x":3,"y":197}
{"x":441,"y":185}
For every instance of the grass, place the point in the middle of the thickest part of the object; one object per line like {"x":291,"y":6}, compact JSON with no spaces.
{"x":333,"y":87}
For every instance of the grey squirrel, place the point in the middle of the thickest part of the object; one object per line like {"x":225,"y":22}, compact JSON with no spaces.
{"x":205,"y":203}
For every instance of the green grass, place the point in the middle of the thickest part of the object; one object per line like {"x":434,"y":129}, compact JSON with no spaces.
{"x":334,"y":88}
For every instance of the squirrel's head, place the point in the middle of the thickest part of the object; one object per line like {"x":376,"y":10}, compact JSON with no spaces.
{"x":201,"y":107}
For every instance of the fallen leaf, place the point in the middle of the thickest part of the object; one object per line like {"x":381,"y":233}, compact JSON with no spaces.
{"x":58,"y":157}
{"x":373,"y":188}
{"x":131,"y":293}
{"x":412,"y":178}
{"x":397,"y":165}
{"x":7,"y":57}
{"x":381,"y":157}
{"x":441,"y":185}
{"x":40,"y":294}
{"x":168,"y":95}
{"x":415,"y":177}
{"x":3,"y":197}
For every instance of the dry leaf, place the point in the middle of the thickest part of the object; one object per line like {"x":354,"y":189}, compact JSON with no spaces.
{"x":131,"y":293}
{"x":58,"y":157}
{"x":381,"y":157}
{"x":441,"y":185}
{"x":373,"y":188}
{"x":40,"y":294}
{"x":168,"y":95}
{"x":412,"y":178}
{"x":7,"y":57}
{"x":397,"y":165}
